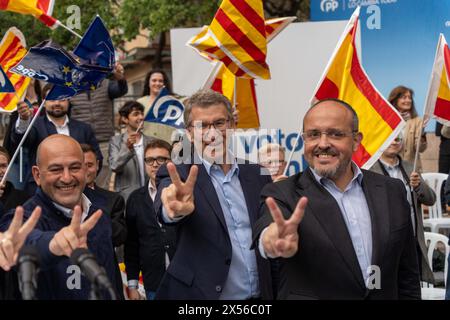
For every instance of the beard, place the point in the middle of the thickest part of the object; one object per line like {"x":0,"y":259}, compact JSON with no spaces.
{"x":60,"y":113}
{"x":334,"y":172}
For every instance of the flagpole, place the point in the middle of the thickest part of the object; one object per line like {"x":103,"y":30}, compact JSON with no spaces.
{"x":16,"y":153}
{"x":68,"y":29}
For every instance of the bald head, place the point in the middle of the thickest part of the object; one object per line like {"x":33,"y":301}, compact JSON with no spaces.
{"x":56,"y":143}
{"x":337,"y":103}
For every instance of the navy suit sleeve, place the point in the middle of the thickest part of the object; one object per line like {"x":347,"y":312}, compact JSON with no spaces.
{"x":131,"y":250}
{"x":119,"y":228}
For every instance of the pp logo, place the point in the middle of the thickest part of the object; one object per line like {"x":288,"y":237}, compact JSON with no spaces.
{"x":329,"y":5}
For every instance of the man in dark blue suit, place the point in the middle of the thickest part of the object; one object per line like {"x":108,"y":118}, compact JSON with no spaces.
{"x":55,"y":120}
{"x":215,"y":204}
{"x":70,"y":219}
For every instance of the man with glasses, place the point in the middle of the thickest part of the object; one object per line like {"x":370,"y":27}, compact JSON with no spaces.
{"x":149,"y":245}
{"x":418,"y":192}
{"x":341,"y":232}
{"x":214,"y":199}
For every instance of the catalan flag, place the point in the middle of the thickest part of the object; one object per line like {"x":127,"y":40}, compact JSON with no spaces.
{"x":222,"y":80}
{"x":345,"y":79}
{"x":12,"y":50}
{"x":41,"y":9}
{"x":238,"y":30}
{"x":437,"y":103}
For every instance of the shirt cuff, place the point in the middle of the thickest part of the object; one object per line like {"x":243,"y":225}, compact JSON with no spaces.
{"x":22,"y":125}
{"x":133,"y":284}
{"x":167,"y":219}
{"x":261,"y":247}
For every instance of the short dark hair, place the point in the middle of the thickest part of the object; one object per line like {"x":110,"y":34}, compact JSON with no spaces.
{"x":146,"y":90}
{"x":158,"y":143}
{"x":355,"y":120}
{"x":129,"y":107}
{"x":88,"y":148}
{"x":204,"y":99}
{"x":5,"y":152}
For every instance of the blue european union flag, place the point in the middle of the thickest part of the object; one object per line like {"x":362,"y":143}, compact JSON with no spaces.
{"x":71,"y":73}
{"x":167,"y":110}
{"x":5,"y":84}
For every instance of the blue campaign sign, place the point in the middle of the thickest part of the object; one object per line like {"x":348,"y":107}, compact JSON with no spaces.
{"x":398,"y":39}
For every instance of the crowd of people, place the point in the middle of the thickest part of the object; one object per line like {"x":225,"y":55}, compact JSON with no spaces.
{"x":211,"y":226}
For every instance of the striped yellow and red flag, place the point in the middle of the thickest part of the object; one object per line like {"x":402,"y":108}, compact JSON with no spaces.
{"x":224,"y":81}
{"x":437,"y":103}
{"x":12,"y":50}
{"x":345,"y":79}
{"x":238,"y":30}
{"x":41,"y":9}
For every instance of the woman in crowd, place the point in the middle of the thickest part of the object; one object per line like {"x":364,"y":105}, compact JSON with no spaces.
{"x":155,"y":80}
{"x":402,"y":99}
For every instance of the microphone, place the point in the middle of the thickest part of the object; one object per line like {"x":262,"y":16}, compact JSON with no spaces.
{"x":28,"y":269}
{"x":92,"y":270}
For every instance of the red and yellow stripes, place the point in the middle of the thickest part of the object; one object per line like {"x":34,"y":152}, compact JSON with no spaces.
{"x":345,"y":79}
{"x":237,"y":37}
{"x":223,"y":81}
{"x":12,"y":50}
{"x":41,"y":9}
{"x":438,"y":97}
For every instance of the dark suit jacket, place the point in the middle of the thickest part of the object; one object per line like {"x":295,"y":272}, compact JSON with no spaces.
{"x":201,"y":262}
{"x":326,"y":266}
{"x":114,"y":204}
{"x":42,"y":128}
{"x":422,"y":195}
{"x":53,"y":276}
{"x":147,"y":241}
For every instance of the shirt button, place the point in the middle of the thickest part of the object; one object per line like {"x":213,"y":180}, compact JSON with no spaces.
{"x":166,"y":247}
{"x":163,"y":229}
{"x":218,"y":288}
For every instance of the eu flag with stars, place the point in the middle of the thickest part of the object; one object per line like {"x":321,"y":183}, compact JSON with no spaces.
{"x":167,"y":110}
{"x":71,"y":73}
{"x":5,"y":84}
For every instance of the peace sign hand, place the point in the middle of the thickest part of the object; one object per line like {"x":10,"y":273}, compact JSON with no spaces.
{"x":12,"y":240}
{"x":281,"y":237}
{"x":178,"y":197}
{"x":73,"y":236}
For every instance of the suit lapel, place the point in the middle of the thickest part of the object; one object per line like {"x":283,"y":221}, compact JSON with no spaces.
{"x":205,"y":185}
{"x":324,"y":207}
{"x":377,"y":201}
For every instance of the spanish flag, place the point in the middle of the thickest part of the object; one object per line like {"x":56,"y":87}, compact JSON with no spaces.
{"x":437,"y":103}
{"x":41,"y":9}
{"x":12,"y":50}
{"x":345,"y":79}
{"x":222,"y":80}
{"x":238,"y":30}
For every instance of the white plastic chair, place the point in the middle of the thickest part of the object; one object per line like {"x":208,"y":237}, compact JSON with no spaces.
{"x":432,"y":239}
{"x":435,"y":220}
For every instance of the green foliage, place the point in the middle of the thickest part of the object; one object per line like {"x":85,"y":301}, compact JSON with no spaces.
{"x":162,"y":15}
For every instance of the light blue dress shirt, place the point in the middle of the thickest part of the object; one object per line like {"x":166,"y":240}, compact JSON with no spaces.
{"x":242,"y":281}
{"x":355,"y":212}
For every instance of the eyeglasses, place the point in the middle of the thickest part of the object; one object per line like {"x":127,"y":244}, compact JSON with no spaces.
{"x":159,"y":160}
{"x":332,"y":134}
{"x":220,"y":124}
